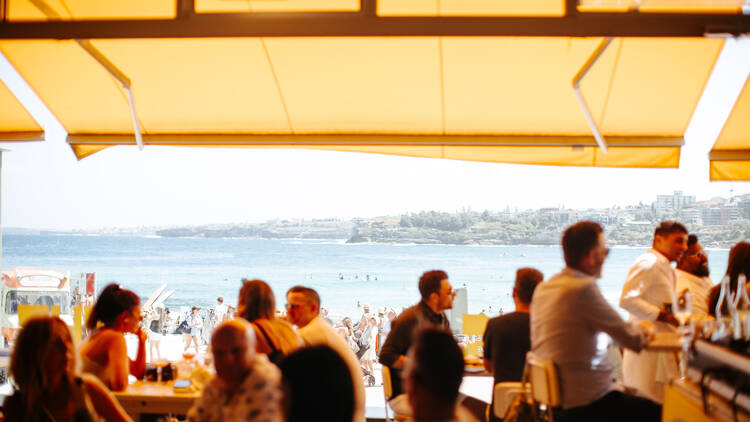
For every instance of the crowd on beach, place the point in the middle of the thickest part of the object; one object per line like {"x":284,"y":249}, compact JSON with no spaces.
{"x":364,"y":334}
{"x":298,"y":365}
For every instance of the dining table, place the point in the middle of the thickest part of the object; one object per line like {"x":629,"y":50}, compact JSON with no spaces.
{"x":155,"y":397}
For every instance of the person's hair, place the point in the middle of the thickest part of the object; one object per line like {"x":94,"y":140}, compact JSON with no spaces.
{"x":220,"y":299}
{"x":438,"y":365}
{"x":112,"y":301}
{"x":578,"y":240}
{"x":668,"y":227}
{"x":692,"y":240}
{"x":256,"y":301}
{"x":314,"y":378}
{"x":739,"y":263}
{"x":429,"y":282}
{"x":195,"y":308}
{"x":38,"y":335}
{"x":526,"y":281}
{"x":347,"y":322}
{"x":310,"y":294}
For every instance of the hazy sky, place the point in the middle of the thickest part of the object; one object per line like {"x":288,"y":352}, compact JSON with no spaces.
{"x":44,"y":186}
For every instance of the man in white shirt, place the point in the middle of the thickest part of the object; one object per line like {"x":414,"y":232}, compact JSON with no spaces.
{"x":647,"y":295}
{"x":302,"y":306}
{"x":692,"y":275}
{"x":570,"y":324}
{"x":220,"y":310}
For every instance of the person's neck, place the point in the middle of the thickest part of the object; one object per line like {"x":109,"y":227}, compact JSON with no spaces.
{"x":523,"y":308}
{"x":661,"y":253}
{"x":433,"y":306}
{"x":582,"y":270}
{"x":430,"y":409}
{"x":234,"y":385}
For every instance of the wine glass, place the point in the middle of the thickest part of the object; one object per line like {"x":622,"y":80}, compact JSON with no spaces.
{"x":682,"y":307}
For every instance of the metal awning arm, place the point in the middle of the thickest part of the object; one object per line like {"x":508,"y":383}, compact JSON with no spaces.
{"x":122,"y":78}
{"x":579,"y":96}
{"x":106,"y":63}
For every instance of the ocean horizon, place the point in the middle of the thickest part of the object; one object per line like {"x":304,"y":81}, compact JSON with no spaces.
{"x":345,"y":275}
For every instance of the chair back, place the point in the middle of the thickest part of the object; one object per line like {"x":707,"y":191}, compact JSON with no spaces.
{"x":542,"y":375}
{"x":503,"y":396}
{"x":387,"y":385}
{"x":26,"y":312}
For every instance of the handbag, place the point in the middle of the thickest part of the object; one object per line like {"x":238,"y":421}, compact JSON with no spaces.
{"x":523,"y":408}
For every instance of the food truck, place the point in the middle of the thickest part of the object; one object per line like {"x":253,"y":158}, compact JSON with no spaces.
{"x":31,"y":286}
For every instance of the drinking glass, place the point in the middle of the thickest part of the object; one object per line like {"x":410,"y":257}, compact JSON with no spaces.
{"x":682,"y":307}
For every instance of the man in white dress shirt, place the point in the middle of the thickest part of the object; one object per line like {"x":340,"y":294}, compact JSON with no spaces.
{"x":571,"y":324}
{"x":302,"y":306}
{"x":692,"y":275}
{"x":647,"y":295}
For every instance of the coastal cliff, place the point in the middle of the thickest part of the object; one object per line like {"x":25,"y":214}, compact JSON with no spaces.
{"x":449,"y":228}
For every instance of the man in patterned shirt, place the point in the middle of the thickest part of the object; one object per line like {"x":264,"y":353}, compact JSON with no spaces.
{"x":246,"y":386}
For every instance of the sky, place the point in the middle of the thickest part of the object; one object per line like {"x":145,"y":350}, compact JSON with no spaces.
{"x":45,"y":187}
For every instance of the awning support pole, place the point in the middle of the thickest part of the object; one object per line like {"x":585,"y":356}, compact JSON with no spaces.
{"x":122,"y":78}
{"x":579,"y":96}
{"x":104,"y":61}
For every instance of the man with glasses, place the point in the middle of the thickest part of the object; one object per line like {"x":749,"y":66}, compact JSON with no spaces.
{"x":571,"y":323}
{"x":692,"y":275}
{"x":303,"y":305}
{"x":437,"y":296}
{"x":647,"y":295}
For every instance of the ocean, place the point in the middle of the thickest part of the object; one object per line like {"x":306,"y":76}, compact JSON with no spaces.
{"x":345,"y":275}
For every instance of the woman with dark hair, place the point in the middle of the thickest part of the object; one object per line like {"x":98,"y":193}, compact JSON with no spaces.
{"x":104,"y":353}
{"x":317,"y":386}
{"x":46,"y":386}
{"x":739,"y":264}
{"x":274,"y":337}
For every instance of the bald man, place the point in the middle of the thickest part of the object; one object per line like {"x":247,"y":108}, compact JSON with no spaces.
{"x":246,"y":386}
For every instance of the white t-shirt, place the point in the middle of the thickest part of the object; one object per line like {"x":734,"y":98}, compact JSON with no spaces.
{"x":220,"y":311}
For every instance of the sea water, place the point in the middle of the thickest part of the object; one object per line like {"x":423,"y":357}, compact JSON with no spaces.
{"x":347,"y":276}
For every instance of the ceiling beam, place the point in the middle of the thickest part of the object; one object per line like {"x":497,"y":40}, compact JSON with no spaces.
{"x":218,"y":139}
{"x":359,"y":24}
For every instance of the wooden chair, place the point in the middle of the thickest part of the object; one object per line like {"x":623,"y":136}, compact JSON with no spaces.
{"x":545,"y":387}
{"x":503,"y":395}
{"x":388,"y":394}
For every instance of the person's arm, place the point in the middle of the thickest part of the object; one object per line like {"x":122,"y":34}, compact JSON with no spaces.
{"x":105,"y":404}
{"x":118,"y":361}
{"x":487,"y":340}
{"x":634,"y":290}
{"x":393,"y":352}
{"x":600,"y":316}
{"x":137,"y":367}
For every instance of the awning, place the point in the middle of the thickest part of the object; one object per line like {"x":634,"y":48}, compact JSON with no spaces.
{"x":730,"y":155}
{"x":16,"y":124}
{"x":498,"y":99}
{"x":482,"y":80}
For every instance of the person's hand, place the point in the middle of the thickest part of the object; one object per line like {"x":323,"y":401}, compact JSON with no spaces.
{"x":649,"y":328}
{"x":668,"y":318}
{"x":141,"y":334}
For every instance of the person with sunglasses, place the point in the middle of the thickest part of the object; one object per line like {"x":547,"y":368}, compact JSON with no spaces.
{"x":274,"y":336}
{"x":437,"y":296}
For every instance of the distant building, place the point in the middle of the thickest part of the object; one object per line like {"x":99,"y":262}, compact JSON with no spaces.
{"x":719,"y":215}
{"x":744,"y":207}
{"x":692,"y":216}
{"x":676,"y":201}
